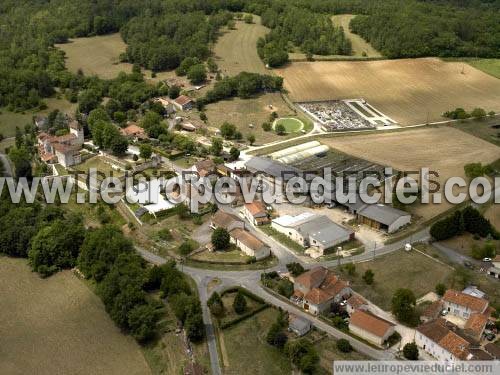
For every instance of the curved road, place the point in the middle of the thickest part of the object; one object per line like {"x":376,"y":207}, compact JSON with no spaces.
{"x":250,"y":280}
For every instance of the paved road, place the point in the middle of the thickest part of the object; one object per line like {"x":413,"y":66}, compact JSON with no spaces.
{"x":7,"y":167}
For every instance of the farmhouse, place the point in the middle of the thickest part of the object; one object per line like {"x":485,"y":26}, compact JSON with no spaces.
{"x":256,"y":213}
{"x":437,"y":339}
{"x":205,"y":167}
{"x":463,"y":305}
{"x":227,"y":221}
{"x":63,"y":149}
{"x":133,"y":131}
{"x":183,"y":103}
{"x":380,"y":216}
{"x":249,"y":244}
{"x":432,"y":311}
{"x":475,"y":326}
{"x":311,"y":230}
{"x":316,"y":290}
{"x":370,"y":327}
{"x":167,"y":104}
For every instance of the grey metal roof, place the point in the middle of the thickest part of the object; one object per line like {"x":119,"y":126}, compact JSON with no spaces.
{"x":298,"y":323}
{"x":323,"y":230}
{"x":272,"y":168}
{"x":382,"y":213}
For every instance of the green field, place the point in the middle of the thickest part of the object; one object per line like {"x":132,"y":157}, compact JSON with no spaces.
{"x":9,"y":121}
{"x":59,"y":326}
{"x":490,"y":66}
{"x":484,"y":129}
{"x":232,"y":256}
{"x":400,"y":269}
{"x":245,"y":351}
{"x":292,"y":125}
{"x":236,"y":50}
{"x":360,"y":47}
{"x":100,"y":56}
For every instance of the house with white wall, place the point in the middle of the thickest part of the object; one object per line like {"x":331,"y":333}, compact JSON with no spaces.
{"x":441,"y":342}
{"x":463,"y":305}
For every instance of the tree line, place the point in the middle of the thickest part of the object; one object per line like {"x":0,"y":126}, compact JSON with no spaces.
{"x":53,"y":239}
{"x":161,"y":34}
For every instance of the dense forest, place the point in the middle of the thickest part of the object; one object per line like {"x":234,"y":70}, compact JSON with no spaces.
{"x":161,"y":33}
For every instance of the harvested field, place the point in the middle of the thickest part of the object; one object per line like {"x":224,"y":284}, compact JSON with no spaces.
{"x":58,"y":326}
{"x":410,"y":91}
{"x":359,"y":45}
{"x":236,"y":50}
{"x":444,"y":149}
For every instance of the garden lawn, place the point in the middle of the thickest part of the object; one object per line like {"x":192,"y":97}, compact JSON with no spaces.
{"x":247,"y":350}
{"x":400,"y":269}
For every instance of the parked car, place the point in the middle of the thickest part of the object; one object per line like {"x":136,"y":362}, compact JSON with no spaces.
{"x":490,"y":336}
{"x":486,"y":259}
{"x":444,"y":312}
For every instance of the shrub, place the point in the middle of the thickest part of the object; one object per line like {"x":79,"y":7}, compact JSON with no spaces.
{"x":239,"y":303}
{"x":410,"y":351}
{"x":440,"y":289}
{"x":344,"y":346}
{"x":295,"y":269}
{"x":185,"y":248}
{"x":215,"y":304}
{"x":220,"y":239}
{"x":266,"y":126}
{"x":368,"y":277}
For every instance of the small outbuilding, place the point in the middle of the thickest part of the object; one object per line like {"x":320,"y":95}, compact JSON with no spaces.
{"x":298,"y":325}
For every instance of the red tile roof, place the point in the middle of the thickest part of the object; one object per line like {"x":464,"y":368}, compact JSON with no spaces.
{"x":455,"y":345}
{"x":476,"y":324}
{"x":133,"y":130}
{"x":223,"y":219}
{"x":317,"y":296}
{"x":370,"y":323}
{"x":356,"y":301}
{"x":246,"y":238}
{"x":433,"y":310}
{"x":473,"y":303}
{"x":333,"y":285}
{"x":312,"y":277}
{"x":256,"y":208}
{"x":182,"y":100}
{"x":438,"y":331}
{"x":493,"y":349}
